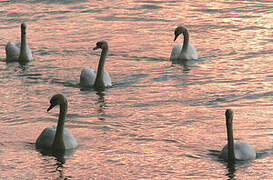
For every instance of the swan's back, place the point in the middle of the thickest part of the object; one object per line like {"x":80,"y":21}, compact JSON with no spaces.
{"x":190,"y":53}
{"x":88,"y":77}
{"x":242,"y":151}
{"x":12,"y":52}
{"x":45,"y":140}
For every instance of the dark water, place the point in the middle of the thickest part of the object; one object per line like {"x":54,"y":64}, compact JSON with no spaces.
{"x":159,"y":120}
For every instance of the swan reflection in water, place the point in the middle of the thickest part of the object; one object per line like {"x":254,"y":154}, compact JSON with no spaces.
{"x":61,"y":157}
{"x":186,"y":65}
{"x":231,"y":170}
{"x":101,"y":105}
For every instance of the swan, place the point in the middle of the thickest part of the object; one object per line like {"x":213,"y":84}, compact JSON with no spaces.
{"x":183,"y":51}
{"x":19,"y":52}
{"x":100,"y":79}
{"x":235,"y":150}
{"x":57,"y":138}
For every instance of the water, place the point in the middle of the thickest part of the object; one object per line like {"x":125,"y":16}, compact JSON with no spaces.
{"x":159,"y":120}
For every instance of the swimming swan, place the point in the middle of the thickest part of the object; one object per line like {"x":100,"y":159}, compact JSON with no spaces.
{"x":100,"y":79}
{"x":19,"y":52}
{"x":57,"y":138}
{"x":235,"y":150}
{"x":183,"y":51}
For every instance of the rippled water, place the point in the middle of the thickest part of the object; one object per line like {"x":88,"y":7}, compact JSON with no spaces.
{"x":159,"y":120}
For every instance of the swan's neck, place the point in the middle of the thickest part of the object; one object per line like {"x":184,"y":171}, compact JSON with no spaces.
{"x":231,"y":155}
{"x":58,"y":140}
{"x":23,"y":49}
{"x":185,"y":42}
{"x":99,"y":83}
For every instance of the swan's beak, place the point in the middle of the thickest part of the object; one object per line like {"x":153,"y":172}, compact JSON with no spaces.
{"x":50,"y":107}
{"x":95,"y":48}
{"x":175,"y":37}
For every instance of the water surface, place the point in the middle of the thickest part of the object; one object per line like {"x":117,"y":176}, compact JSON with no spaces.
{"x":159,"y":120}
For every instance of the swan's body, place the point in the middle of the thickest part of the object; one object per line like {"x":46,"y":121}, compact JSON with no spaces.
{"x":57,"y":138}
{"x":235,"y":150}
{"x":19,"y":52}
{"x":185,"y":50}
{"x":189,"y":54}
{"x":45,"y":140}
{"x":242,"y":151}
{"x":12,"y":52}
{"x":100,"y":79}
{"x":88,"y":77}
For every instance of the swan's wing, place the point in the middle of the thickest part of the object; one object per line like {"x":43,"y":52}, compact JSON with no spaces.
{"x":12,"y":52}
{"x":176,"y":51}
{"x":191,"y":52}
{"x":29,"y":54}
{"x":70,"y":141}
{"x":244,"y":151}
{"x":26,"y":55}
{"x":224,"y":153}
{"x":88,"y":77}
{"x":46,"y":138}
{"x":107,"y":79}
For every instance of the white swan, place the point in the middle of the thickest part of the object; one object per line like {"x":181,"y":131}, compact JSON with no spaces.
{"x":57,"y":138}
{"x":183,"y":51}
{"x":235,"y":150}
{"x":19,"y":52}
{"x":101,"y":79}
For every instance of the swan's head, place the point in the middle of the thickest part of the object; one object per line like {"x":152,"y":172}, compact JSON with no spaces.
{"x":179,"y":30}
{"x":101,"y":45}
{"x":57,"y":99}
{"x":23,"y":27}
{"x":229,"y":116}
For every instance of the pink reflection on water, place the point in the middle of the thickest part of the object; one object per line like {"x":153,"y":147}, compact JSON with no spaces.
{"x":158,"y":121}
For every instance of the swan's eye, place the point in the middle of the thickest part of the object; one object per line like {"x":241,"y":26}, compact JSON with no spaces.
{"x":99,"y":44}
{"x":53,"y":102}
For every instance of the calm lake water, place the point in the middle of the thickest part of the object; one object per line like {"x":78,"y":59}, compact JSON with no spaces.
{"x":159,"y":120}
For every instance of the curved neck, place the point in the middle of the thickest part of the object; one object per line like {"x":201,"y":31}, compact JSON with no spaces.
{"x":231,"y":155}
{"x":186,"y":41}
{"x":58,"y":142}
{"x":99,"y":78}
